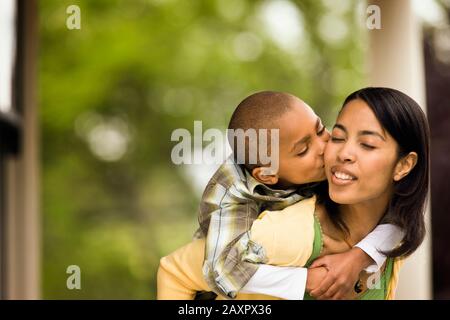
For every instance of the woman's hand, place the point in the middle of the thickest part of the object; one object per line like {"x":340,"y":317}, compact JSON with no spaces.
{"x":343,"y":273}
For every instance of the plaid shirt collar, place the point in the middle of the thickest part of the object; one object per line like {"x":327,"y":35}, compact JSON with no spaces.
{"x":252,"y":183}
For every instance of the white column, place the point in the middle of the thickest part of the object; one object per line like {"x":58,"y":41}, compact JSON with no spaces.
{"x":23,"y":218}
{"x":395,"y":60}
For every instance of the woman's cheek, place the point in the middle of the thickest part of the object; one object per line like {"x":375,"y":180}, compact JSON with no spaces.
{"x":379,"y":172}
{"x":330,"y":153}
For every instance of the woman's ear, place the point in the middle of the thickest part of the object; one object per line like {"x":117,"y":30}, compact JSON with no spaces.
{"x":405,"y":165}
{"x":264,"y":175}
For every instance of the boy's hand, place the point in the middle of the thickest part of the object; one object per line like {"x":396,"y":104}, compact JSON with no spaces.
{"x":343,"y":273}
{"x":315,"y":277}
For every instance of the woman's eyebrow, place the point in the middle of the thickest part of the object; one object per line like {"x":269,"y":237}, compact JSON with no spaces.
{"x":340,"y":126}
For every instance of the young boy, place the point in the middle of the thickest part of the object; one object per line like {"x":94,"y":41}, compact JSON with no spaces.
{"x":240,"y":190}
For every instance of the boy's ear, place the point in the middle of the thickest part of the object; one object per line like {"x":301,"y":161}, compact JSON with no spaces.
{"x":405,"y":165}
{"x":263,"y":175}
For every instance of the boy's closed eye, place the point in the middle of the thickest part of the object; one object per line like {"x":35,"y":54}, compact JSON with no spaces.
{"x":303,"y":152}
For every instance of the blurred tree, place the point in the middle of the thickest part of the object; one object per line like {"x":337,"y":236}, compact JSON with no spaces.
{"x":112,"y":92}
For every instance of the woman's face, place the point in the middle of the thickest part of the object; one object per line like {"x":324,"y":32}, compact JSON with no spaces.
{"x":360,"y":157}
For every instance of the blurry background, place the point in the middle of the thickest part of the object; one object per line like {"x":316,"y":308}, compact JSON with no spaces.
{"x":110,"y":94}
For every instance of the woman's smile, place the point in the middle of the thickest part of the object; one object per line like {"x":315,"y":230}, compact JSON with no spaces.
{"x":341,"y":176}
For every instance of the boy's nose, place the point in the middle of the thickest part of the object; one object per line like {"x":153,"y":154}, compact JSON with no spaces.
{"x":323,"y":142}
{"x":327,"y":135}
{"x":322,"y":148}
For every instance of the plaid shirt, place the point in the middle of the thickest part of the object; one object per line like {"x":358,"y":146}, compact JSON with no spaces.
{"x":232,"y":200}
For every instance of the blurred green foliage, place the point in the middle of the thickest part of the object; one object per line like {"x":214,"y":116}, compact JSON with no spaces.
{"x":152,"y":67}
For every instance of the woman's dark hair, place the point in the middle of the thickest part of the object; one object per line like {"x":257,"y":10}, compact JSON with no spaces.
{"x":405,"y":121}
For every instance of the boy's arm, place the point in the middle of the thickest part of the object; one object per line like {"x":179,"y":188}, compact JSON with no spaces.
{"x":384,"y":237}
{"x":344,"y":268}
{"x":229,"y":219}
{"x":284,"y":282}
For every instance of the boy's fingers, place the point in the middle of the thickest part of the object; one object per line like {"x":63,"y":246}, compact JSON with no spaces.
{"x":331,"y":292}
{"x":337,"y":296}
{"x":323,"y":287}
{"x":341,"y":295}
{"x":318,"y":263}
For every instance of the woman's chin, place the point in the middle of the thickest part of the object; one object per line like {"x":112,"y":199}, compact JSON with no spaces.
{"x":341,"y":197}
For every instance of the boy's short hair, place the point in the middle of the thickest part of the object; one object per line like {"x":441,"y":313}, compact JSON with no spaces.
{"x":260,"y":110}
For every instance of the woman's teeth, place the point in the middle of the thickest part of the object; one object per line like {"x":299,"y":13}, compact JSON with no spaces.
{"x":343,"y":176}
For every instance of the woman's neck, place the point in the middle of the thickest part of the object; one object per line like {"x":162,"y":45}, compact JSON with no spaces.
{"x":362,"y":218}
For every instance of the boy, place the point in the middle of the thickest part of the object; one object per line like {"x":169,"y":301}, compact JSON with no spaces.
{"x":241,"y":189}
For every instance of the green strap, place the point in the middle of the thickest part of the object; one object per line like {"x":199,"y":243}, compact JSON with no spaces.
{"x":318,"y":242}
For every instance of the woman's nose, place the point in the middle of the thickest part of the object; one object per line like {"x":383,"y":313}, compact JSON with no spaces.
{"x":345,"y":153}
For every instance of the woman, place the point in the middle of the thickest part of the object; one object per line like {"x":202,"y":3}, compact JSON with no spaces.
{"x":377,"y":170}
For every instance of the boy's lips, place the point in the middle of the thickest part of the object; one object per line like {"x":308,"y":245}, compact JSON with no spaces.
{"x":341,"y":176}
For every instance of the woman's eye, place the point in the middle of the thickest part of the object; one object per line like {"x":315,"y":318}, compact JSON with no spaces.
{"x":367,"y":146}
{"x":335,"y":139}
{"x":303,"y":152}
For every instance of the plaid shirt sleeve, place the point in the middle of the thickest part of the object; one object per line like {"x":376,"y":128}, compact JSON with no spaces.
{"x":225,"y":218}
